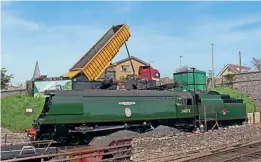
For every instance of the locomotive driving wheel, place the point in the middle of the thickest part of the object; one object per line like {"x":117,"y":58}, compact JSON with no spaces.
{"x":75,"y":140}
{"x":62,"y":140}
{"x":87,"y":139}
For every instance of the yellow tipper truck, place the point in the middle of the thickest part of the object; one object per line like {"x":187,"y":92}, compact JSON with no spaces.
{"x":99,"y":57}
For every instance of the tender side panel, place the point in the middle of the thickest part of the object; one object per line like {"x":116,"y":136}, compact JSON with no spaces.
{"x":105,"y":109}
{"x":101,"y":60}
{"x":232,"y":111}
{"x":210,"y":104}
{"x":156,"y":108}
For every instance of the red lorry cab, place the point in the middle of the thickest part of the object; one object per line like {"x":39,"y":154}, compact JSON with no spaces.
{"x":149,"y":73}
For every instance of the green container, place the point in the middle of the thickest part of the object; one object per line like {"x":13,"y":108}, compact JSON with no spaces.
{"x":187,"y":80}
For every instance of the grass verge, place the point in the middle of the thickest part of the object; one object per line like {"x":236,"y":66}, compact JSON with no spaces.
{"x":236,"y":94}
{"x":13,"y":115}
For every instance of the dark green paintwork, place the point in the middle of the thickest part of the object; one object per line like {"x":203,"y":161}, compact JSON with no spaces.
{"x":69,"y":109}
{"x":104,"y":109}
{"x":225,"y":111}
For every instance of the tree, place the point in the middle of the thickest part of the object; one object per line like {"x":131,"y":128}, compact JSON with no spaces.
{"x":5,"y":79}
{"x":182,"y":69}
{"x":256,"y":63}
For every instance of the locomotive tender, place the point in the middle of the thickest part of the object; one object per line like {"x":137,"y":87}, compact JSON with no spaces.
{"x":78,"y":116}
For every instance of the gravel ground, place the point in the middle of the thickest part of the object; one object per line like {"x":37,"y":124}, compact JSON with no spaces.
{"x":8,"y":137}
{"x":4,"y":130}
{"x":183,"y":142}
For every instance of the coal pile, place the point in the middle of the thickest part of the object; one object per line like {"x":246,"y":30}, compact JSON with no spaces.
{"x":104,"y":141}
{"x":161,"y":131}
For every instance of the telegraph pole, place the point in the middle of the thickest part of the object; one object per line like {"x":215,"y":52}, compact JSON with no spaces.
{"x":239,"y":62}
{"x":213,"y":84}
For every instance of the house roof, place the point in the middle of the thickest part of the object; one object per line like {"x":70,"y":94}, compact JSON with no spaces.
{"x":132,"y":57}
{"x":237,"y":67}
{"x":234,"y":68}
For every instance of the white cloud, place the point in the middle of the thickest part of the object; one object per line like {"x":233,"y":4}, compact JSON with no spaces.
{"x":57,"y":48}
{"x":127,"y":6}
{"x":14,"y":23}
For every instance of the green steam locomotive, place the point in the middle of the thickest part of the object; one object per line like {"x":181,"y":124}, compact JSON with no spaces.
{"x":78,"y":116}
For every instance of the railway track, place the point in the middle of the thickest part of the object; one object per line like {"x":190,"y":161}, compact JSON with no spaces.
{"x":117,"y":150}
{"x":28,"y":149}
{"x":239,"y":153}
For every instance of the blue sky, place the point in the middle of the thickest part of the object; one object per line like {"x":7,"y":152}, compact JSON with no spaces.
{"x":57,"y":34}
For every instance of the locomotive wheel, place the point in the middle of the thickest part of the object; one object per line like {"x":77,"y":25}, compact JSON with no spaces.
{"x":62,"y":140}
{"x":75,"y":140}
{"x":87,"y":139}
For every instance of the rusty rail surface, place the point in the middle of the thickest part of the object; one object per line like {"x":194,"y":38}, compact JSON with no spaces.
{"x":197,"y":154}
{"x":233,"y":153}
{"x":117,"y":152}
{"x":5,"y":140}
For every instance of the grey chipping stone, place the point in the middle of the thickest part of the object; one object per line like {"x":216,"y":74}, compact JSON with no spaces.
{"x":148,"y":148}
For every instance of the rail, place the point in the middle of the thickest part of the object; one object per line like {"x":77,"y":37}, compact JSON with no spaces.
{"x":222,"y":154}
{"x":121,"y":151}
{"x":228,"y":154}
{"x":11,"y":139}
{"x":124,"y":152}
{"x":16,"y":151}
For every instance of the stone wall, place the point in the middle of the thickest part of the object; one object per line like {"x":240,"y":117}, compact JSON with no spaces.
{"x":151,"y":149}
{"x":249,"y":83}
{"x":5,"y":93}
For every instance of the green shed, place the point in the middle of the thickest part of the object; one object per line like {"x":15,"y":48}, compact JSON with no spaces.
{"x":187,"y":80}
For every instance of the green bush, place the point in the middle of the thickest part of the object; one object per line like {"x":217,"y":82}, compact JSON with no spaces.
{"x":13,"y":114}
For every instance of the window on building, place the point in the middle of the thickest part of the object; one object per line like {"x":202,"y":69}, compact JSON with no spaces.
{"x":125,"y":68}
{"x":131,"y":76}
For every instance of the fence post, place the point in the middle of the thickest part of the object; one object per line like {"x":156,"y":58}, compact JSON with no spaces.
{"x":5,"y":138}
{"x":205,"y":116}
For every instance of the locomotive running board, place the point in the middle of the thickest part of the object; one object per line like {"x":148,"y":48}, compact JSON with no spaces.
{"x":103,"y":128}
{"x":97,"y":129}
